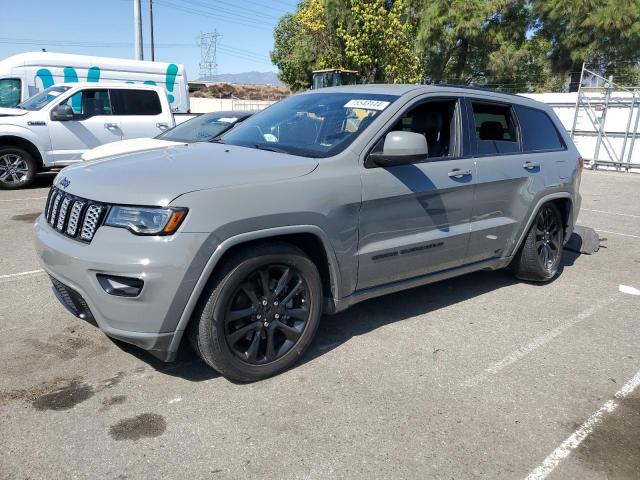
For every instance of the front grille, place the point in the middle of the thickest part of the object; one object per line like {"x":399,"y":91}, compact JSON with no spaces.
{"x":73,"y":216}
{"x":72,"y":300}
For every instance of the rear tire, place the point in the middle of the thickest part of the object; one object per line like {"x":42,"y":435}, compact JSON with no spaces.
{"x":17,"y":168}
{"x":259,"y":313}
{"x":540,"y":255}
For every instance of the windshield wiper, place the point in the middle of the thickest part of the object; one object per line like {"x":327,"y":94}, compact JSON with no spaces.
{"x":269,"y":148}
{"x":217,"y":140}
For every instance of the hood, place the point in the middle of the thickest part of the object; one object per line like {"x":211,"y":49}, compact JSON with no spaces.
{"x":126,"y":146}
{"x":12,"y":112}
{"x":155,"y":177}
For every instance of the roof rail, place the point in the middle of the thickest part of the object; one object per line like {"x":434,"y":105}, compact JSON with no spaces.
{"x":473,"y":87}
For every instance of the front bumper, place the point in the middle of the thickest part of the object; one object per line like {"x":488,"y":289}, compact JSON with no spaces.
{"x":165,"y":264}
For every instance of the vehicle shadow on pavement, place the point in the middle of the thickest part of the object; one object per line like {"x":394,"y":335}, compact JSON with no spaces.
{"x":187,"y":365}
{"x":42,"y":180}
{"x":334,"y":330}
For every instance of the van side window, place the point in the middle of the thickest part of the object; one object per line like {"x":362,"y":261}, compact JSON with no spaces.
{"x":436,"y":120}
{"x":89,"y":103}
{"x":496,"y":130}
{"x":538,"y":131}
{"x":135,"y":102}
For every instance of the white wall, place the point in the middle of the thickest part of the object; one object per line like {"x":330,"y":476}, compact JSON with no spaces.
{"x":204,"y":105}
{"x":618,"y":112}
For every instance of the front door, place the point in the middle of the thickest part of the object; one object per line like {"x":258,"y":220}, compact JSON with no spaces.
{"x":415,"y":218}
{"x":93,"y":124}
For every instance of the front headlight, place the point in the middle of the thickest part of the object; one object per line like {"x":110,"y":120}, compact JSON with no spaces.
{"x":146,"y":220}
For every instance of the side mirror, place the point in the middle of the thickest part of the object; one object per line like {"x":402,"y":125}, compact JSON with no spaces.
{"x":400,"y":148}
{"x":62,"y":113}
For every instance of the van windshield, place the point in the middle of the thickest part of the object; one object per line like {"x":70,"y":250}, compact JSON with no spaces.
{"x":9,"y":92}
{"x":39,"y":100}
{"x":311,"y":125}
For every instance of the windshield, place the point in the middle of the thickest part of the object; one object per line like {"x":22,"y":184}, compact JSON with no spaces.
{"x":43,"y":98}
{"x":202,"y":128}
{"x":9,"y":92}
{"x":310,"y":125}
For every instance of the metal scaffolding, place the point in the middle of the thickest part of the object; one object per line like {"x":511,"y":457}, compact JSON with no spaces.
{"x":609,"y":115}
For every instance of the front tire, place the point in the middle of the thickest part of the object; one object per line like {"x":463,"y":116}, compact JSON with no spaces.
{"x":260,"y":312}
{"x":17,"y":168}
{"x":539,"y":257}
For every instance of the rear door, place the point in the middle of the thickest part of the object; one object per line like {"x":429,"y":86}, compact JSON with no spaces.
{"x":93,"y":125}
{"x":139,"y":112}
{"x":414,"y":218}
{"x":507,"y":180}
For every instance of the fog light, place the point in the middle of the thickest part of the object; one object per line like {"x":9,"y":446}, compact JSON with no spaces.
{"x":120,"y":286}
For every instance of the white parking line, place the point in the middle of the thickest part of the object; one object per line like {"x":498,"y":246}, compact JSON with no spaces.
{"x":533,"y":345}
{"x":22,"y":199}
{"x":575,"y":439}
{"x":610,"y":213}
{"x":628,"y":289}
{"x":617,"y":233}
{"x":21,"y":274}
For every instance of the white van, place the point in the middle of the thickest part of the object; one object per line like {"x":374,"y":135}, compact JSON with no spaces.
{"x":24,"y":75}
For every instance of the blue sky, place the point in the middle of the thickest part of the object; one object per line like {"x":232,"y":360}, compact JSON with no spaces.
{"x":105,"y":28}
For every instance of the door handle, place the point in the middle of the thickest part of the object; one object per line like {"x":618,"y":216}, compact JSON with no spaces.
{"x":530,"y":165}
{"x":162,"y":126}
{"x":110,"y":125}
{"x":457,"y":173}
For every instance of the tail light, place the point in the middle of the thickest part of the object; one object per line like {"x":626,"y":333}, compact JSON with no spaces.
{"x":581,"y":162}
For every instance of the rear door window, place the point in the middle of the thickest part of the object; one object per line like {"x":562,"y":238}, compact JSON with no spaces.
{"x":135,"y":102}
{"x":495,"y":127}
{"x":539,"y":134}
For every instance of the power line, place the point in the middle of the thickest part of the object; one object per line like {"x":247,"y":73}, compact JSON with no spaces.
{"x":241,"y":53}
{"x":233,"y":9}
{"x":218,"y":16}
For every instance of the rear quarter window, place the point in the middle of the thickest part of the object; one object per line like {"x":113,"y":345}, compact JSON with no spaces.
{"x":539,"y":134}
{"x":135,"y":102}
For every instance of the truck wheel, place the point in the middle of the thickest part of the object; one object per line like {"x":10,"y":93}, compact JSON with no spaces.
{"x":259,"y":313}
{"x":540,"y":255}
{"x":17,"y":168}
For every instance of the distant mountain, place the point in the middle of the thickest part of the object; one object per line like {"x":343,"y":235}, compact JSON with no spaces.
{"x":254,"y":78}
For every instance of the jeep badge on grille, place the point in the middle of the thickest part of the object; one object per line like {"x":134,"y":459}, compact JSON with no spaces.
{"x":65,"y":182}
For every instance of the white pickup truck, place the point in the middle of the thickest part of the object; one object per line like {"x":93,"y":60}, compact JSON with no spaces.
{"x":55,"y":127}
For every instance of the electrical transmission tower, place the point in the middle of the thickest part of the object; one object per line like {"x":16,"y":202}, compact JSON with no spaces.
{"x":208,"y":42}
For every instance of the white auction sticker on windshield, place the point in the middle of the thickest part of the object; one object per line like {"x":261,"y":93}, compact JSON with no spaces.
{"x":367,"y":104}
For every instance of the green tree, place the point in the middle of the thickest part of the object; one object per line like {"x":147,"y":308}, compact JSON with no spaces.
{"x":605,"y":34}
{"x":378,"y":39}
{"x":478,"y":41}
{"x":374,"y":37}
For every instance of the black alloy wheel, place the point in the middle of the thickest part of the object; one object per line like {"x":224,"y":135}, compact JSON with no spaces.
{"x":548,"y":238}
{"x":259,"y":313}
{"x":267,"y":314}
{"x":540,"y":255}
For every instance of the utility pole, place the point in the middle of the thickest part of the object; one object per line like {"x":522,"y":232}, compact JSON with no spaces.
{"x":208,"y":42}
{"x":153,"y":48}
{"x":137,"y":29}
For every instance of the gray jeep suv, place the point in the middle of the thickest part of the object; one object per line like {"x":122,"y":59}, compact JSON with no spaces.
{"x":325,"y":199}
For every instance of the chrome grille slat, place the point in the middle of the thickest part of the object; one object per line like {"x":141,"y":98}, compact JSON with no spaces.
{"x":72,"y":216}
{"x":54,"y":210}
{"x":90,"y":224}
{"x":50,"y":205}
{"x":62,"y":216}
